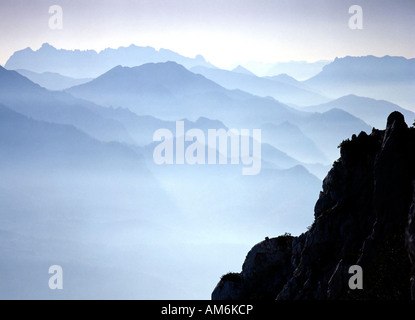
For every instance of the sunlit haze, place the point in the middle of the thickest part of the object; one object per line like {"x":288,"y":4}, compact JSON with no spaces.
{"x":224,"y":32}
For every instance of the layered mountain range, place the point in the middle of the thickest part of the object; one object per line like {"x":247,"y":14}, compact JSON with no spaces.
{"x":80,"y":185}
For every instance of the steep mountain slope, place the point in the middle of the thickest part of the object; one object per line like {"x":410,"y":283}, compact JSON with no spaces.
{"x":364,"y":217}
{"x":20,"y":94}
{"x":23,"y":138}
{"x":52,"y":81}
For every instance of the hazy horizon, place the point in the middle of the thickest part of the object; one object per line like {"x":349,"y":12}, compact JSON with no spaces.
{"x":225,"y":33}
{"x":230,"y":66}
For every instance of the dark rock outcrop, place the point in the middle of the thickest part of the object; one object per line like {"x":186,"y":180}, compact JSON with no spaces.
{"x":365,"y":216}
{"x":258,"y":278}
{"x":410,"y":240}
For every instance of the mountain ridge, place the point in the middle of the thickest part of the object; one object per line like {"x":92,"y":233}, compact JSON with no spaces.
{"x":52,"y":81}
{"x":361,"y":68}
{"x":90,"y":63}
{"x":372,"y":111}
{"x":284,"y":91}
{"x":38,"y":139}
{"x":30,"y":99}
{"x":390,"y":78}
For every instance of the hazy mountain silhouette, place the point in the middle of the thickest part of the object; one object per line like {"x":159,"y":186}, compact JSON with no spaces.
{"x":144,"y":87}
{"x":142,"y":128}
{"x":300,"y":70}
{"x":56,"y":153}
{"x":328,"y":128}
{"x":372,"y":111}
{"x":89,"y":63}
{"x":52,"y":81}
{"x":160,"y":90}
{"x":285,"y":78}
{"x":57,"y":145}
{"x":290,"y":138}
{"x":387,"y":78}
{"x":107,"y":124}
{"x":225,"y":189}
{"x":242,"y":70}
{"x":170,"y":91}
{"x":20,"y":94}
{"x":365,"y":69}
{"x":276,"y":158}
{"x":280,"y":90}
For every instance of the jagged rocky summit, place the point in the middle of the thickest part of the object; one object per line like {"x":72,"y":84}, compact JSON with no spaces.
{"x":364,"y":216}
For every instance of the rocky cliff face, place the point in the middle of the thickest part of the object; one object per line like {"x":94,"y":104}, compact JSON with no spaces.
{"x":364,"y":216}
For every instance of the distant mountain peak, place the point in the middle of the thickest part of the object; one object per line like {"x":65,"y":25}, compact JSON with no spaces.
{"x":199,"y":57}
{"x":240,"y":69}
{"x":47,"y":46}
{"x":168,"y":66}
{"x":284,"y":76}
{"x":146,"y":89}
{"x":152,"y":72}
{"x":51,"y":80}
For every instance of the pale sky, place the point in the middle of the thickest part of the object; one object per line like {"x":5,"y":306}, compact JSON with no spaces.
{"x":223,"y":31}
